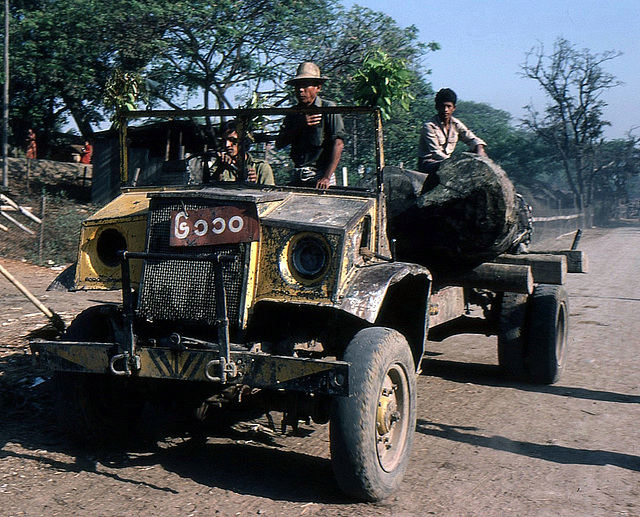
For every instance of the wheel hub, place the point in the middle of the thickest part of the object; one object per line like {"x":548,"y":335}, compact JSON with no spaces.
{"x":387,"y":414}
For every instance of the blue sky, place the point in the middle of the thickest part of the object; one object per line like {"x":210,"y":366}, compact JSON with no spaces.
{"x":484,"y":42}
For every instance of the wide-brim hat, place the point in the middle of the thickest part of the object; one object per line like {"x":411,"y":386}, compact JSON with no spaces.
{"x":308,"y":72}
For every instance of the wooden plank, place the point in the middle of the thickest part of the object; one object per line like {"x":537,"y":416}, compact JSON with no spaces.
{"x":9,"y":208}
{"x":546,"y":269}
{"x":20,"y":208}
{"x":53,"y":317}
{"x":510,"y":278}
{"x":576,"y":259}
{"x":445,"y":304}
{"x":18,"y":224}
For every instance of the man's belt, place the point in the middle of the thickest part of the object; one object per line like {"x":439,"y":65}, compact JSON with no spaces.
{"x":305,"y":174}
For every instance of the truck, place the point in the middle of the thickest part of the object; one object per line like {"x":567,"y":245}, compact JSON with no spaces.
{"x":286,"y":299}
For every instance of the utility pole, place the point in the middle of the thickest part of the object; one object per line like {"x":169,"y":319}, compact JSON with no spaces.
{"x":5,"y":103}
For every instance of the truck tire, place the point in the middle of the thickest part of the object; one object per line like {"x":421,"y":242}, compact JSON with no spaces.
{"x":96,"y":409}
{"x":371,"y":431}
{"x":512,"y":346}
{"x":548,"y":332}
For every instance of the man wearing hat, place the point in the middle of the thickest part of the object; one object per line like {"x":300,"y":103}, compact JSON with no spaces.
{"x":441,"y":133}
{"x":316,"y":140}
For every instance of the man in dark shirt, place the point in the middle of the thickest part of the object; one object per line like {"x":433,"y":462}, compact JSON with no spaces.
{"x":316,"y":140}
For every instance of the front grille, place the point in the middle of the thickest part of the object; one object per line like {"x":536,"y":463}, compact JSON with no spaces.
{"x":181,"y":290}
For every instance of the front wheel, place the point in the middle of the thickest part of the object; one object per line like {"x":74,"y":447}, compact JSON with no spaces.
{"x":371,"y":431}
{"x":97,"y":408}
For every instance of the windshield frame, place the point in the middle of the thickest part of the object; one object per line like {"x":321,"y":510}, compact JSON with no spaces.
{"x":245,"y":114}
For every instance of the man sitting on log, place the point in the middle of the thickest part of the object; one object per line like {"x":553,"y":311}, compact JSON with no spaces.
{"x":441,"y":133}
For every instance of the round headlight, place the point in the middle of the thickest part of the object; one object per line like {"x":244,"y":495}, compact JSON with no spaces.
{"x":110,"y":241}
{"x":309,"y":258}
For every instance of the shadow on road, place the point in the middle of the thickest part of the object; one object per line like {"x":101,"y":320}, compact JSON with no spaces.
{"x":491,"y":375}
{"x":243,"y":462}
{"x":553,"y":453}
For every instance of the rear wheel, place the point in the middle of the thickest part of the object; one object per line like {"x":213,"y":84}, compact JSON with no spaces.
{"x":372,"y":430}
{"x":548,"y":332}
{"x":512,"y":334}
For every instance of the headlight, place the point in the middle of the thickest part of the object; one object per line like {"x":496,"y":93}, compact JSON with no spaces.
{"x":309,"y":258}
{"x":110,"y":241}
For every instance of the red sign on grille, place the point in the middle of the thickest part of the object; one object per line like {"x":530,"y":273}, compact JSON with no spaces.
{"x":227,"y":224}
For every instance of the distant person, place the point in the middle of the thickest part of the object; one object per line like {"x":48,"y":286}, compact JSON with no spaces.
{"x":87,"y":152}
{"x":226,"y":166}
{"x":316,"y":140}
{"x":441,"y":133}
{"x":32,"y":148}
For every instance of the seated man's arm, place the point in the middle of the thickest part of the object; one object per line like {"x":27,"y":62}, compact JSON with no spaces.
{"x":480,"y":150}
{"x":467,"y":136}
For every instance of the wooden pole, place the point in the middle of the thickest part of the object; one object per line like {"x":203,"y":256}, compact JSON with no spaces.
{"x":5,"y":103}
{"x":53,"y":317}
{"x":19,"y":208}
{"x":17,"y":223}
{"x":41,"y":243}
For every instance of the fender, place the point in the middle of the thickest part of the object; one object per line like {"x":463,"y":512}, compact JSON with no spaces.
{"x":65,"y":281}
{"x":367,"y":290}
{"x":395,"y":295}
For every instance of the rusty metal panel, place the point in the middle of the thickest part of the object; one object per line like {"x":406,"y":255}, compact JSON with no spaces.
{"x":314,"y":211}
{"x":210,"y":226}
{"x":367,"y":290}
{"x":255,"y":370}
{"x":446,"y":304}
{"x":126,"y":215}
{"x":297,"y":374}
{"x":73,"y":357}
{"x":125,"y":206}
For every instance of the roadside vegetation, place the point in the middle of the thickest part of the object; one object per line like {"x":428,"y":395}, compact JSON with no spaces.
{"x":65,"y":55}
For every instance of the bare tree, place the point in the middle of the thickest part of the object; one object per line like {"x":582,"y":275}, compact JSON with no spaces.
{"x":572,"y":122}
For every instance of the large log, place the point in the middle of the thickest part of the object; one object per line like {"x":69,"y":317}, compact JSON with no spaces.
{"x":466,"y":214}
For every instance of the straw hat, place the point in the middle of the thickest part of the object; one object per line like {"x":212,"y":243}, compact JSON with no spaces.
{"x":307,"y":71}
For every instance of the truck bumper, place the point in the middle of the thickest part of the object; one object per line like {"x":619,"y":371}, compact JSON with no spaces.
{"x":251,"y":369}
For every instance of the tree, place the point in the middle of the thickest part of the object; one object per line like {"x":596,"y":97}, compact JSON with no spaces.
{"x":617,"y":164}
{"x":523,"y":156}
{"x":64,"y":51}
{"x":214,"y":48}
{"x":572,"y":123}
{"x":220,"y":54}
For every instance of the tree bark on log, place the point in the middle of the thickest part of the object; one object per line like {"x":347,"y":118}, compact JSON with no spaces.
{"x":451,"y":221}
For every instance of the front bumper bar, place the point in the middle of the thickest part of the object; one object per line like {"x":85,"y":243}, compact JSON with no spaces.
{"x":257,"y":370}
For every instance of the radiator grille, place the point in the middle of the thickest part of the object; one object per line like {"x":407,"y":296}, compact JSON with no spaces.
{"x":181,"y":290}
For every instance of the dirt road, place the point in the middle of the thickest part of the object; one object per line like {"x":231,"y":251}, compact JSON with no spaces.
{"x":484,"y":446}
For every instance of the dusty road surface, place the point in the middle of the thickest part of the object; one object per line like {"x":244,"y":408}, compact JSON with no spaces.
{"x":484,"y":445}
